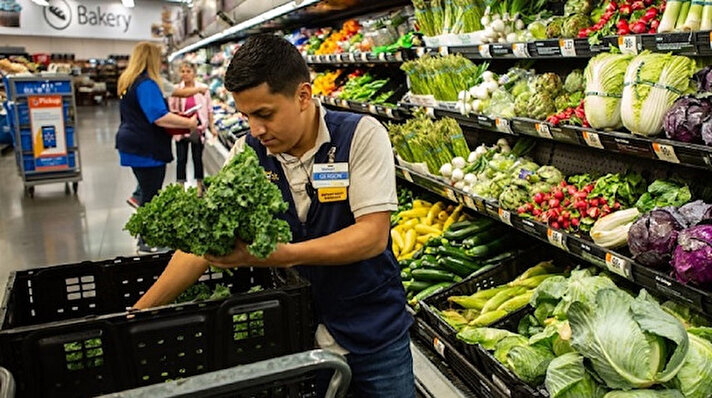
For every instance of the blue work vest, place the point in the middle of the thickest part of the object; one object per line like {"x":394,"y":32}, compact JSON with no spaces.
{"x":361,"y":304}
{"x":136,"y":134}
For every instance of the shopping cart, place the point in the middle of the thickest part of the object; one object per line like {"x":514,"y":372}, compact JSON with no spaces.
{"x":290,"y":376}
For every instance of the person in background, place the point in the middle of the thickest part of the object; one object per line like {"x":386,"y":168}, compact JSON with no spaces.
{"x":205,"y":119}
{"x":169,"y":90}
{"x":141,"y":140}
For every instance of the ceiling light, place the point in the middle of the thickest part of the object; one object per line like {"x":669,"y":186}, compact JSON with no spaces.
{"x":43,"y":3}
{"x":128,"y":3}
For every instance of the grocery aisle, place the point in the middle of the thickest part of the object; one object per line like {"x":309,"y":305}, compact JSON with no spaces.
{"x":54,"y":228}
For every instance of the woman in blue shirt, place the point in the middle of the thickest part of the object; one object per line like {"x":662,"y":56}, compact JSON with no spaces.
{"x":142,"y":142}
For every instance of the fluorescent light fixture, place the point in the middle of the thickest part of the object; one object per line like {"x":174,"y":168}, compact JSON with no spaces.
{"x":128,"y":3}
{"x":43,"y":3}
{"x":266,"y":16}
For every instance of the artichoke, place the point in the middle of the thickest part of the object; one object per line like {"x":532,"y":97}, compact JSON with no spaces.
{"x":574,"y":23}
{"x":540,"y":106}
{"x":574,"y":81}
{"x":550,"y":174}
{"x":521,"y":103}
{"x":540,"y":187}
{"x":549,"y":83}
{"x":562,"y":102}
{"x":513,"y":196}
{"x":578,"y":7}
{"x":553,"y":29}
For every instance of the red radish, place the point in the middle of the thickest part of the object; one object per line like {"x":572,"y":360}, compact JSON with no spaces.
{"x":588,"y":188}
{"x":622,"y":23}
{"x":566,"y":224}
{"x":571,"y":189}
{"x":538,"y":197}
{"x":567,"y":203}
{"x":555,"y":225}
{"x":602,"y":201}
{"x":623,"y":32}
{"x":652,"y":31}
{"x":559,"y":195}
{"x":546,"y":197}
{"x":616,"y":205}
{"x":625,"y":9}
{"x":612,"y":6}
{"x":606,"y":208}
{"x":555,"y":119}
{"x":563,"y":183}
{"x":580,"y":195}
{"x":647,"y":2}
{"x":521,"y":210}
{"x":593,"y":202}
{"x":654,"y":24}
{"x":536,"y":212}
{"x":554,"y":202}
{"x":575,"y":222}
{"x":651,"y":13}
{"x":637,"y":5}
{"x":566,"y":215}
{"x":594,"y":212}
{"x":528,"y":207}
{"x":560,"y":220}
{"x":581,"y":205}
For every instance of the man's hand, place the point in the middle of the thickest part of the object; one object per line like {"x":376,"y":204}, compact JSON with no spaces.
{"x":241,"y":257}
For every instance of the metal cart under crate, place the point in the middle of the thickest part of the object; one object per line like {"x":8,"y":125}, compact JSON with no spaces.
{"x":42,"y":115}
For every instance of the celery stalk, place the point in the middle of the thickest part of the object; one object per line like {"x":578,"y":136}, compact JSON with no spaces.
{"x":682,"y":16}
{"x":694,"y":16}
{"x":672,"y":11}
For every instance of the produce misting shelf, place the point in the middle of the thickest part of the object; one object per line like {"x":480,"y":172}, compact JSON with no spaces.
{"x":693,"y":155}
{"x":620,"y":263}
{"x":684,"y":43}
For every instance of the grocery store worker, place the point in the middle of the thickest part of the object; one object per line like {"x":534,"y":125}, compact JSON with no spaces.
{"x":340,"y":235}
{"x":142,"y":142}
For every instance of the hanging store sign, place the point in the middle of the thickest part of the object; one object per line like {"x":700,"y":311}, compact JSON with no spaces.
{"x":49,"y":141}
{"x":86,"y":19}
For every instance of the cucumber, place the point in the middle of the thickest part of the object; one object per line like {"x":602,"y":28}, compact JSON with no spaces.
{"x":475,"y":227}
{"x":488,"y":249}
{"x":483,"y":237}
{"x":453,"y":252}
{"x":460,"y":225}
{"x":458,"y":266}
{"x":417,"y":286}
{"x":406,"y":274}
{"x":430,"y":264}
{"x":425,"y":293}
{"x":433,"y":275}
{"x":415,"y":264}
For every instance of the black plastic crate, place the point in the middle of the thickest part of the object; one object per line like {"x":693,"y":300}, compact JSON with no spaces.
{"x":66,"y":333}
{"x":453,"y":356}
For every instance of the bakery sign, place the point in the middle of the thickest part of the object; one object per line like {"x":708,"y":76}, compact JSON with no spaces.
{"x":81,"y":19}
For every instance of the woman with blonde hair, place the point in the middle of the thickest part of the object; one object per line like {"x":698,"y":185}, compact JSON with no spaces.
{"x":142,"y":142}
{"x":205,"y":117}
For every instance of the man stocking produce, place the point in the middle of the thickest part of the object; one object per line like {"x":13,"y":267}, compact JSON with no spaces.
{"x":335,"y":171}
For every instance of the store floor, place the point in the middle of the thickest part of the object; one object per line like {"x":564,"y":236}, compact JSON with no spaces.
{"x":54,"y":228}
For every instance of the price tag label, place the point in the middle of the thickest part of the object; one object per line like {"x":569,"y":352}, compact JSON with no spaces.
{"x":339,"y":58}
{"x":430,"y":112}
{"x":470,"y":203}
{"x":364,"y":57}
{"x":382,"y":57}
{"x":344,"y":104}
{"x":592,"y":139}
{"x":567,"y":47}
{"x":618,"y":265}
{"x":485,"y":51}
{"x":444,"y":51}
{"x":389,"y":113}
{"x":628,"y":44}
{"x":352,"y":57}
{"x":665,"y":152}
{"x":505,"y":216}
{"x":520,"y":50}
{"x":556,"y":238}
{"x":399,"y":56}
{"x":439,"y":346}
{"x":310,"y":58}
{"x":420,"y":51}
{"x":503,"y":126}
{"x":543,"y":130}
{"x":372,"y":109}
{"x":451,"y":195}
{"x":407,"y":176}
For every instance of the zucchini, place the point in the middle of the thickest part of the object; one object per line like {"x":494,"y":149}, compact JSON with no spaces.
{"x":415,"y":264}
{"x":458,"y":266}
{"x":425,"y":293}
{"x":406,"y":274}
{"x":417,"y":286}
{"x":488,"y":249}
{"x":460,"y":225}
{"x":455,"y":252}
{"x":433,"y":275}
{"x":474,"y":228}
{"x":430,"y":264}
{"x":483,"y":237}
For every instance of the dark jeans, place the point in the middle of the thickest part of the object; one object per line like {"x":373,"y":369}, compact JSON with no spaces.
{"x":150,"y":181}
{"x":182,"y":158}
{"x":387,"y":373}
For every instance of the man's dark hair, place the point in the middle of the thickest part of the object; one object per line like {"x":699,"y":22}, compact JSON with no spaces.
{"x":266,"y":58}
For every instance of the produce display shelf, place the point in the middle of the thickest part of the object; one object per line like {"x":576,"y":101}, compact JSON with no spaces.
{"x":398,"y":113}
{"x":677,"y":152}
{"x":619,"y":263}
{"x":360,"y":58}
{"x":696,"y":43}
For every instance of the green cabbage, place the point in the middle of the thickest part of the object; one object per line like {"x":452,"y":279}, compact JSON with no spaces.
{"x":695,"y":377}
{"x":604,"y":88}
{"x":645,"y":394}
{"x":631,"y":343}
{"x":652,"y":83}
{"x":566,"y":377}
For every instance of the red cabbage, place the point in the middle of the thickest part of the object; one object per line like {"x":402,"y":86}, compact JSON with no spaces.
{"x":706,"y":131}
{"x":696,"y":212}
{"x":692,"y":259}
{"x":653,"y":236}
{"x":683,"y":121}
{"x":703,"y":78}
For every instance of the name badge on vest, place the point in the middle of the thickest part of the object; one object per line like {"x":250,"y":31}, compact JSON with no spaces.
{"x":331,"y":181}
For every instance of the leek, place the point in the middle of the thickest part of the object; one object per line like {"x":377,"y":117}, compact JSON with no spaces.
{"x":706,"y":16}
{"x":694,"y":16}
{"x":670,"y":16}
